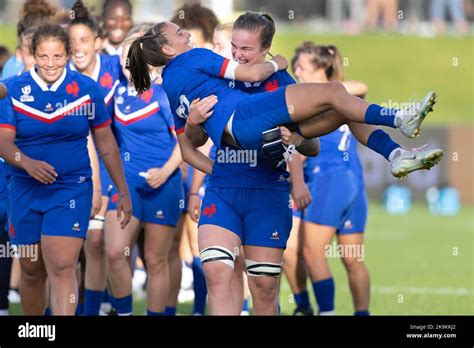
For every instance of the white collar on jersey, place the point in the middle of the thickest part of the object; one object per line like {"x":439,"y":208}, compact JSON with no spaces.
{"x":113,"y":51}
{"x":44,"y":87}
{"x":95,"y":73}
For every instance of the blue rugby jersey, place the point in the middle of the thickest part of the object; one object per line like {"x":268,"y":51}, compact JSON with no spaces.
{"x":52,"y":122}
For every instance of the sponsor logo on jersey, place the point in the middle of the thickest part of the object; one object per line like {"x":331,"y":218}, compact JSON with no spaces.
{"x":159,"y":214}
{"x":183,"y":108}
{"x":348,"y":224}
{"x":76,"y":227}
{"x":49,"y":107}
{"x":275,"y":236}
{"x":81,"y":179}
{"x":209,"y":211}
{"x":26,"y":97}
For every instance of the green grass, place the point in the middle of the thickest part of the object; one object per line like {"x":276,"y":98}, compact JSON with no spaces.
{"x":405,"y":255}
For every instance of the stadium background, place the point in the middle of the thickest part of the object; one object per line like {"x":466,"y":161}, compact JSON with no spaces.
{"x":419,"y":263}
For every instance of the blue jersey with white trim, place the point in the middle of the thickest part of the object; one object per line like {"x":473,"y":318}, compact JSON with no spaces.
{"x":262,"y":175}
{"x":338,"y":150}
{"x":199,"y":73}
{"x":107,"y":73}
{"x":144,"y":128}
{"x":52,"y":122}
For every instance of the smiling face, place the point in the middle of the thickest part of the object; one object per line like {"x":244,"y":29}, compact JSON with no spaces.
{"x":84,"y":45}
{"x":118,"y":22}
{"x":51,"y":58}
{"x":306,"y":71}
{"x":178,"y":40}
{"x":246,"y":47}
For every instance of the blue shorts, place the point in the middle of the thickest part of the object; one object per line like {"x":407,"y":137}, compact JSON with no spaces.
{"x":258,"y":113}
{"x":339,"y":201}
{"x":258,"y":217}
{"x":160,"y":206}
{"x":52,"y":210}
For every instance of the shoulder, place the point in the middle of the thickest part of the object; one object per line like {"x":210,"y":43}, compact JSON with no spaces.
{"x":110,"y":61}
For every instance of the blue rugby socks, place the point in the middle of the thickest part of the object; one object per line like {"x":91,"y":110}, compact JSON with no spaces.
{"x":380,"y":142}
{"x":324,"y":292}
{"x":92,"y":301}
{"x":380,"y":116}
{"x":200,"y":287}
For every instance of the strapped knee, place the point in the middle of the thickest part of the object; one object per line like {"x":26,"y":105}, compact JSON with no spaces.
{"x":96,"y":223}
{"x":262,"y":269}
{"x":217,"y":253}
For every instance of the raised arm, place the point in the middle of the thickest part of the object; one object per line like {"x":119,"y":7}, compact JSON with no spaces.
{"x":259,"y":72}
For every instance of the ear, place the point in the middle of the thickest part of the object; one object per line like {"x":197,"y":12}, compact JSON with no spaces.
{"x":168,"y":50}
{"x":98,"y":44}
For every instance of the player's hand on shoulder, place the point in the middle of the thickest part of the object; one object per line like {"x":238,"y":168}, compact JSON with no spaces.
{"x":201,"y":109}
{"x":281,"y":62}
{"x":40,"y":170}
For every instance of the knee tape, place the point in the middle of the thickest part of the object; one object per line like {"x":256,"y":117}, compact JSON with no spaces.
{"x":218,"y":253}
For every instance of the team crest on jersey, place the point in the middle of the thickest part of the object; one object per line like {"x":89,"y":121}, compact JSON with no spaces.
{"x":106,"y":81}
{"x":183,"y":108}
{"x":26,"y":97}
{"x":270,"y":86}
{"x":209,"y":211}
{"x":147,"y":95}
{"x":73,"y":88}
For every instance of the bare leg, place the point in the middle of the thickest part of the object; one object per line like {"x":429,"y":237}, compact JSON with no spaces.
{"x":359,"y":280}
{"x":264,"y":289}
{"x":158,"y":240}
{"x":60,"y":256}
{"x":218,"y":274}
{"x":306,"y":100}
{"x":33,"y":282}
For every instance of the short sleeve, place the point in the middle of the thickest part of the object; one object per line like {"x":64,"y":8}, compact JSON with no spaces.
{"x":214,"y":64}
{"x":165,"y":108}
{"x":287,"y":79}
{"x":99,"y":115}
{"x":7,"y":114}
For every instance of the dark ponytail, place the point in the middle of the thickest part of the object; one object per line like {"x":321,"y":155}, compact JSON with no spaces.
{"x":145,"y":51}
{"x":253,"y":21}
